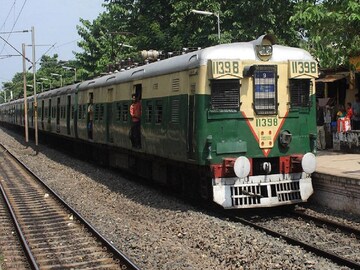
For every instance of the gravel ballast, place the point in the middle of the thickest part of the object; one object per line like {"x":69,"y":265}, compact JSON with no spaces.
{"x":154,"y":230}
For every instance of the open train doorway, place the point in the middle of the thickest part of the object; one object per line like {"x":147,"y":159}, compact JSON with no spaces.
{"x":90,"y":116}
{"x":135,"y":113}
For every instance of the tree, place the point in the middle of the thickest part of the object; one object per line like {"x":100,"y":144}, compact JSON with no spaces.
{"x":171,"y":26}
{"x":104,"y":39}
{"x":330,"y":29}
{"x":48,"y":65}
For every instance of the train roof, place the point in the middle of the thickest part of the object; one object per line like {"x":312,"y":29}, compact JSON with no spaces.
{"x":243,"y":51}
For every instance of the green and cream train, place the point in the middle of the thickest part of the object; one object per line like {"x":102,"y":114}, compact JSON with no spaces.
{"x":234,"y":123}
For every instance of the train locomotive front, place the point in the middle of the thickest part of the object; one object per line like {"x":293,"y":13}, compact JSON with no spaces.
{"x":258,"y":129}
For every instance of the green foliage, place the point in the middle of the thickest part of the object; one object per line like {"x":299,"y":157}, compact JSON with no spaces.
{"x":170,"y":26}
{"x":44,"y":76}
{"x":330,"y":29}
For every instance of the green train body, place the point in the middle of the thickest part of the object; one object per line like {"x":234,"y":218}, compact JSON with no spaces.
{"x":240,"y":117}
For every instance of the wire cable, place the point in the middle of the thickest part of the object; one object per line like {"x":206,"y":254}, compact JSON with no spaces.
{"x":7,"y":17}
{"x":17,"y":18}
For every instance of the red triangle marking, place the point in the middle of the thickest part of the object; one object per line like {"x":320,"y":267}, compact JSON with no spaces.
{"x":266,"y":151}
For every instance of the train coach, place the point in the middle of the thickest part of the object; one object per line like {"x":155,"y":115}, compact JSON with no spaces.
{"x":234,"y":123}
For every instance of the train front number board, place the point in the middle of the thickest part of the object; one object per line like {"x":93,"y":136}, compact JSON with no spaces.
{"x":222,"y":68}
{"x":298,"y":68}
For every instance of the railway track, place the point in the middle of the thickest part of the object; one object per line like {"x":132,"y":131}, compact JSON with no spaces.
{"x":52,"y":234}
{"x":323,"y":237}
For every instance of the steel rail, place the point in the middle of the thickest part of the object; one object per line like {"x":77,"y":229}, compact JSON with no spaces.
{"x":117,"y":253}
{"x":326,"y":254}
{"x":22,"y":240}
{"x":319,"y":221}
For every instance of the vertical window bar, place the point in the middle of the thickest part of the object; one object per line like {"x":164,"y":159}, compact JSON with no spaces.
{"x":265,"y":89}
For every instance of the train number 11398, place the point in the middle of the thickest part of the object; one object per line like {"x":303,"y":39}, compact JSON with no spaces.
{"x":266,"y":122}
{"x":225,"y":67}
{"x":301,"y":67}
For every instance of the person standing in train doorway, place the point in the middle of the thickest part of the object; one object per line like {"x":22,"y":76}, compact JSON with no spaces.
{"x":90,"y":116}
{"x":135,"y":113}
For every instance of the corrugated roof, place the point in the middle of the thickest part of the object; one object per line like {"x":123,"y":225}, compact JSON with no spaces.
{"x":332,"y":78}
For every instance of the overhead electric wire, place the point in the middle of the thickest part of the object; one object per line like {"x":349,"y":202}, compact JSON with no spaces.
{"x":7,"y":17}
{"x":52,"y":46}
{"x":17,"y":18}
{"x":27,"y":59}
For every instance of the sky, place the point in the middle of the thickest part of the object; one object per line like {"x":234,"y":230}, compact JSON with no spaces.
{"x":54,"y":22}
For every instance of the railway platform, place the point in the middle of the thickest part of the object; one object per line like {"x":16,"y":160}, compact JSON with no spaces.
{"x":337,"y":181}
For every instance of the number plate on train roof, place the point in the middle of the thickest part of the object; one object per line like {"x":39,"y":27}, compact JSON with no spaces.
{"x":224,"y":69}
{"x":303,"y":68}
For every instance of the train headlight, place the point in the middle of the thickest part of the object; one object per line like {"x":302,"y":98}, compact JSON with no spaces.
{"x":264,"y":47}
{"x":242,"y":167}
{"x":264,"y":50}
{"x":308,"y":163}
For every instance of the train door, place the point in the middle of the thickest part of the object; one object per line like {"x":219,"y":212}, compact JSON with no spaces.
{"x":138,"y":90}
{"x":32,"y":114}
{"x":191,"y":111}
{"x":90,"y":116}
{"x":68,"y":114}
{"x":58,"y":115}
{"x":109,"y":116}
{"x":15,"y":114}
{"x":136,"y":128}
{"x":76,"y":110}
{"x":49,"y":116}
{"x":42,"y":113}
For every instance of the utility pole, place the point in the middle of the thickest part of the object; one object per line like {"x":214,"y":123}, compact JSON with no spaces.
{"x":34,"y":78}
{"x":25,"y":96}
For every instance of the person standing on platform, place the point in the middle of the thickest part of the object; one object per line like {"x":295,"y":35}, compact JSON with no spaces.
{"x":349,"y":113}
{"x":135,"y":113}
{"x":342,"y":112}
{"x":320,"y":121}
{"x":356,"y":113}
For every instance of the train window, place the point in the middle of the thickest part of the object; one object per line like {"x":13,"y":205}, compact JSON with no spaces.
{"x":265,"y":89}
{"x":49,"y":115}
{"x":80,"y":112}
{"x":158,"y":112}
{"x":149,"y":112}
{"x":62,"y":110}
{"x":101,"y":112}
{"x":175,"y":111}
{"x":96,"y":113}
{"x":299,"y":92}
{"x":225,"y":95}
{"x":124,"y":112}
{"x":118,"y":111}
{"x":84,"y":111}
{"x":72,"y":111}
